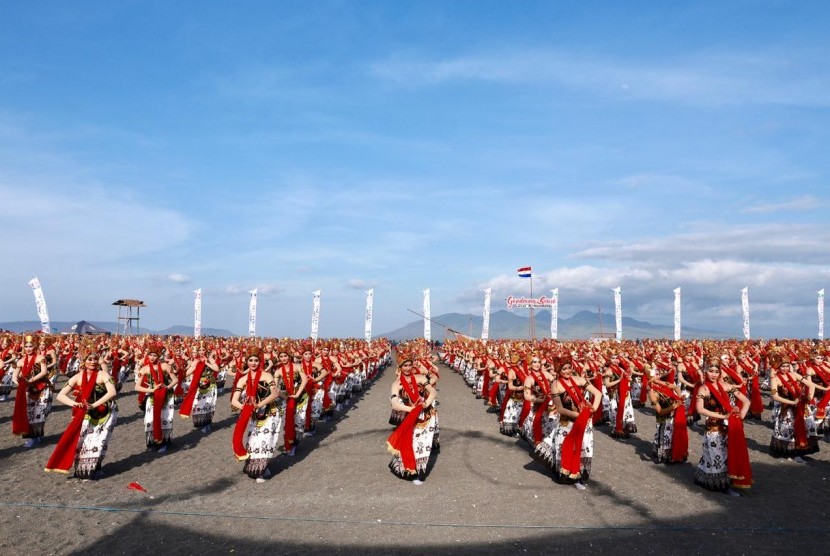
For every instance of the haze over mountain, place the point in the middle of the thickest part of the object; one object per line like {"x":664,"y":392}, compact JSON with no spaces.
{"x":506,"y":324}
{"x":59,"y":327}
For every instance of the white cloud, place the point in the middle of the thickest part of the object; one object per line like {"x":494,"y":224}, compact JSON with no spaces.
{"x":360,"y":284}
{"x":805,"y":202}
{"x":262,"y":289}
{"x":709,"y":78}
{"x":178,"y":278}
{"x":803,"y":244}
{"x":86,"y":224}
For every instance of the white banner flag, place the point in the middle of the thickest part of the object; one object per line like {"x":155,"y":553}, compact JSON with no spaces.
{"x":554,"y":314}
{"x":485,"y":322}
{"x":427,"y":332}
{"x":42,"y":313}
{"x":745,"y":307}
{"x":315,"y":315}
{"x":821,"y":314}
{"x":370,"y":302}
{"x":197,"y":314}
{"x":676,"y":314}
{"x":252,"y":314}
{"x":618,"y":311}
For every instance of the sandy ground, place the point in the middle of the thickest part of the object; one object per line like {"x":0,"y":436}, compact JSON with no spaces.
{"x":484,"y":493}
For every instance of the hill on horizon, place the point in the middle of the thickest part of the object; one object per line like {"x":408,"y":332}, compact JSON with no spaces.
{"x":505,"y":324}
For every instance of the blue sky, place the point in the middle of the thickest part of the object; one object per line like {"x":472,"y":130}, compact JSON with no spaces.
{"x":149,"y":148}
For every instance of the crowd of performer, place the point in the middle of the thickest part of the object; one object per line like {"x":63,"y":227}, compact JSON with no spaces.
{"x":553,"y":395}
{"x":280,"y":389}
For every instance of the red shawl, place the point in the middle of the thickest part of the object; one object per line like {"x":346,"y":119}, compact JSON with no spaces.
{"x":239,"y":448}
{"x":541,"y":380}
{"x":799,"y":423}
{"x":737,"y":453}
{"x":187,"y":403}
{"x":290,"y":436}
{"x":624,"y":385}
{"x":821,"y":407}
{"x":311,"y":390}
{"x":64,"y":455}
{"x":20,"y":418}
{"x":572,"y":445}
{"x":680,"y":432}
{"x":756,"y":404}
{"x":159,"y":397}
{"x":399,"y":442}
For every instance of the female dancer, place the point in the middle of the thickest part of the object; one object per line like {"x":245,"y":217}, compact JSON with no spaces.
{"x":94,"y":414}
{"x":724,"y":463}
{"x":793,"y":434}
{"x":199,"y":402}
{"x":292,"y":381}
{"x":573,"y":439}
{"x":671,"y":439}
{"x":33,"y":400}
{"x":513,"y":404}
{"x":258,"y":428}
{"x":158,"y":381}
{"x":412,"y":441}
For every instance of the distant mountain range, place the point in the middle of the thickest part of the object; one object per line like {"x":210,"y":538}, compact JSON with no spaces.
{"x":61,"y":326}
{"x":508,"y":325}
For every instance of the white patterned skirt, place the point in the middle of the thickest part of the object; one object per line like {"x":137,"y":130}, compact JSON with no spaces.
{"x":586,"y":455}
{"x":423,"y":443}
{"x":38,"y":407}
{"x":167,"y":412}
{"x":262,"y":439}
{"x":711,"y":471}
{"x":204,"y":406}
{"x":93,"y":442}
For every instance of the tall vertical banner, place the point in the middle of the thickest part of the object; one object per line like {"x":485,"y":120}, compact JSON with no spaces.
{"x":427,"y":332}
{"x":252,"y":314}
{"x":315,"y":315}
{"x":745,"y":307}
{"x":821,"y":314}
{"x":485,"y":321}
{"x":197,"y":314}
{"x":676,"y":314}
{"x":618,"y":311}
{"x":40,"y":302}
{"x":554,"y":314}
{"x":370,"y":302}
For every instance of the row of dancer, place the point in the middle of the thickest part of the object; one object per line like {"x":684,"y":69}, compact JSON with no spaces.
{"x":179,"y":376}
{"x":529,"y":385}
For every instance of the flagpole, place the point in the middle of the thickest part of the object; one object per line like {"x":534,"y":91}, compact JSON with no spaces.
{"x":532,"y":327}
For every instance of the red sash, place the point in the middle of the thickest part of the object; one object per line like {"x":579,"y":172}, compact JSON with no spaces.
{"x":290,"y":436}
{"x":239,"y":448}
{"x":159,"y":397}
{"x":311,"y":390}
{"x":756,"y":404}
{"x":522,"y":375}
{"x":680,"y":432}
{"x":400,"y":441}
{"x":737,"y":453}
{"x":799,"y":423}
{"x":572,"y":445}
{"x":328,"y":366}
{"x":187,"y":403}
{"x":64,"y":455}
{"x":623,"y":393}
{"x":597,"y":381}
{"x":20,"y":418}
{"x":542,"y":407}
{"x":821,"y":407}
{"x":485,"y":380}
